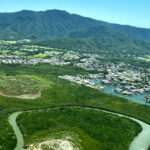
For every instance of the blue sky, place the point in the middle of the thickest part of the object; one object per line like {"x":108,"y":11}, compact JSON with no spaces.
{"x":131,"y":12}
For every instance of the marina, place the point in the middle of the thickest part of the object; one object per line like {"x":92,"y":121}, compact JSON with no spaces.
{"x":109,"y":89}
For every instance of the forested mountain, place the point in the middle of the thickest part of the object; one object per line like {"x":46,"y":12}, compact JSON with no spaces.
{"x":30,"y":24}
{"x":56,"y":23}
{"x":116,"y":45}
{"x":63,"y":30}
{"x":133,"y":32}
{"x":94,"y":32}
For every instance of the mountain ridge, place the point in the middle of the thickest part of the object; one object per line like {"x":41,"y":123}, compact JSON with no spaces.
{"x":56,"y":23}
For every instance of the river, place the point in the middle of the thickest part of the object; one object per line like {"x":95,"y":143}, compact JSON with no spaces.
{"x":141,"y":142}
{"x":12,"y":120}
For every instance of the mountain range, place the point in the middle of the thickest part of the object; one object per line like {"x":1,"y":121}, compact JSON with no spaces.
{"x":60,"y":29}
{"x":57,"y":23}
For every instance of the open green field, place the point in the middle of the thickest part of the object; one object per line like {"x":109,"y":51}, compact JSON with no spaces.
{"x":7,"y":42}
{"x":145,"y":58}
{"x":20,"y":85}
{"x":58,"y":93}
{"x":41,"y":55}
{"x":5,"y":51}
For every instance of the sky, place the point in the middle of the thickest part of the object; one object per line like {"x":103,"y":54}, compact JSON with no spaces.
{"x":126,"y":12}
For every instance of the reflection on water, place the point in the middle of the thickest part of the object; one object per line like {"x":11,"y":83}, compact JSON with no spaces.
{"x":136,"y":98}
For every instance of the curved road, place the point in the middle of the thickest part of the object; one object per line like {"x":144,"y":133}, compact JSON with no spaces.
{"x":141,"y":142}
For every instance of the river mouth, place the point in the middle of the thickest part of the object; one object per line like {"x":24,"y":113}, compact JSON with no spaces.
{"x":54,"y":144}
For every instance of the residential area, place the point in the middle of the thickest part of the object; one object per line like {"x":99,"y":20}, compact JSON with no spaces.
{"x":124,"y":77}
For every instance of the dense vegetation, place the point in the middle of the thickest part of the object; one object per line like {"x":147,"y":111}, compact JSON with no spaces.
{"x":94,"y":32}
{"x":7,"y":136}
{"x":46,"y":24}
{"x":130,"y":31}
{"x":61,"y":92}
{"x":118,"y":45}
{"x":96,"y":130}
{"x":54,"y":23}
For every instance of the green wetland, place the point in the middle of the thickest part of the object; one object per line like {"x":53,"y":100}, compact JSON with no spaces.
{"x":85,"y":128}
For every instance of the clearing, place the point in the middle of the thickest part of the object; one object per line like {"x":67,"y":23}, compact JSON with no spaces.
{"x":21,"y":87}
{"x":56,"y":144}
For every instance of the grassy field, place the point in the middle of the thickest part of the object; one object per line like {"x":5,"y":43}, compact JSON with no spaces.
{"x":59,"y":92}
{"x":41,"y":55}
{"x":20,"y":85}
{"x":5,"y":51}
{"x":88,"y":129}
{"x":7,"y":42}
{"x":145,"y":58}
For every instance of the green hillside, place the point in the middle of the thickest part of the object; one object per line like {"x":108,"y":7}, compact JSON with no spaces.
{"x":94,"y":32}
{"x":30,"y":24}
{"x":56,"y":23}
{"x":116,"y":45}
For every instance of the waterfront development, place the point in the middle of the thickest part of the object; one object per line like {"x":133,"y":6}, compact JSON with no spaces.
{"x":96,"y":83}
{"x":119,"y":78}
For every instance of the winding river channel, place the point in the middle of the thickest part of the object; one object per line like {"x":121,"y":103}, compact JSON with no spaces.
{"x":141,"y":142}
